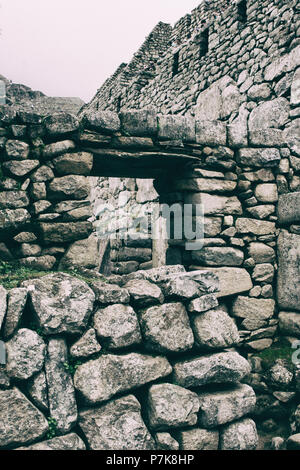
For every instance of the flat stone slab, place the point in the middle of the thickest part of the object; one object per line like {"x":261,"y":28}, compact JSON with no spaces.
{"x":100,"y":379}
{"x":288,"y":279}
{"x":232,"y":280}
{"x":289,"y":208}
{"x":116,"y":426}
{"x":67,"y":442}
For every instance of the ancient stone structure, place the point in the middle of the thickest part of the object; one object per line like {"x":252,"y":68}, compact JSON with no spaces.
{"x":222,"y":133}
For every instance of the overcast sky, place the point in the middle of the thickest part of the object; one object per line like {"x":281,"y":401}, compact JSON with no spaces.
{"x":69,"y":47}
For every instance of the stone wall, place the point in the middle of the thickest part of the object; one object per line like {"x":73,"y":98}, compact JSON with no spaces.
{"x":87,"y":367}
{"x":242,"y":37}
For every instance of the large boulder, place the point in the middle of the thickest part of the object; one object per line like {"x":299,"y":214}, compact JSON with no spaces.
{"x":61,"y":303}
{"x":241,"y":435}
{"x":61,"y":123}
{"x":83,"y":253}
{"x":80,"y":163}
{"x":20,"y":421}
{"x":166,"y":328}
{"x":61,"y":393}
{"x":274,"y":113}
{"x":65,"y":233}
{"x":232,"y":280}
{"x":69,"y":187}
{"x":254,"y":312}
{"x":25,"y":354}
{"x":171,"y":406}
{"x":224,"y":367}
{"x":288,"y":292}
{"x":100,"y":379}
{"x":117,"y":425}
{"x":144,"y":293}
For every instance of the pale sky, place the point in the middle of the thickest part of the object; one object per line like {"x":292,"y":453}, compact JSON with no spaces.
{"x":70,"y":47}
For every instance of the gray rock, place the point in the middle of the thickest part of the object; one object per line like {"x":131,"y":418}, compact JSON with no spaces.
{"x":117,"y":425}
{"x":266,"y":138}
{"x":100,"y":379}
{"x":279,"y":376}
{"x":83,"y":253}
{"x":211,"y":133}
{"x":223,"y":367}
{"x":86,"y":345}
{"x":166,"y":328}
{"x":256,"y":227}
{"x":208,"y":185}
{"x":202,"y":304}
{"x":285,"y":63}
{"x":164,"y":441}
{"x":261,"y":253}
{"x":67,"y":442}
{"x":20,"y":421}
{"x":215,"y":329}
{"x":61,"y":123}
{"x":180,"y":288}
{"x":40,"y":263}
{"x":79,"y":163}
{"x":259,"y":157}
{"x":109,"y":293}
{"x":102,"y":121}
{"x":69,"y":187}
{"x":198,"y":439}
{"x":277,"y":443}
{"x":215,"y":205}
{"x":293,"y":442}
{"x":295,"y":94}
{"x":232,"y":280}
{"x":13,"y":219}
{"x":58,"y":148}
{"x":221,"y":407}
{"x":288,"y":292}
{"x":266,"y":192}
{"x":3,"y":304}
{"x":141,"y":122}
{"x":17,"y":150}
{"x":263,"y":272}
{"x":42,"y":174}
{"x":21,"y":168}
{"x":241,"y":435}
{"x":37,"y":389}
{"x":61,"y":393}
{"x":61,"y":303}
{"x":144,"y":293}
{"x":255,"y":312}
{"x":117,"y":325}
{"x":171,"y":406}
{"x":15,"y":306}
{"x":238,"y":130}
{"x":25,"y":354}
{"x":218,"y":256}
{"x":13,"y":199}
{"x":65,"y":233}
{"x":289,"y":323}
{"x":291,"y":136}
{"x":274,"y":113}
{"x":289,"y":208}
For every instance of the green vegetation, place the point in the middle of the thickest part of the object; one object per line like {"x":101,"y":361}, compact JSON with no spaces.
{"x":52,"y":428}
{"x":72,"y":365}
{"x":12,"y":274}
{"x":280,"y":350}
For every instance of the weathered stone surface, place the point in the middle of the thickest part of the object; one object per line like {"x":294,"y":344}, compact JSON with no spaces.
{"x":295,"y":93}
{"x":21,"y":168}
{"x":61,"y":123}
{"x":61,"y":303}
{"x":102,"y":121}
{"x":279,"y":376}
{"x":263,"y":272}
{"x":83,"y":253}
{"x":283,"y":64}
{"x":144,"y":293}
{"x":232,"y":280}
{"x":4,"y":379}
{"x":259,"y":157}
{"x":238,"y":130}
{"x":266,"y":192}
{"x":164,"y":441}
{"x":37,"y":389}
{"x":30,"y":249}
{"x":17,"y":150}
{"x":209,"y":185}
{"x":223,"y":367}
{"x":13,"y":199}
{"x":15,"y":305}
{"x":67,"y":442}
{"x":42,"y":174}
{"x":274,"y":113}
{"x":288,"y":292}
{"x":261,"y":253}
{"x":218,"y":256}
{"x":61,"y":393}
{"x":241,"y":435}
{"x":289,"y":323}
{"x":266,"y":138}
{"x":58,"y":148}
{"x":180,"y":288}
{"x":20,"y":421}
{"x":215,"y":205}
{"x":64,"y":232}
{"x":212,"y":226}
{"x":198,"y":439}
{"x":257,"y":227}
{"x":291,"y":136}
{"x":3,"y":304}
{"x":117,"y":326}
{"x":221,"y":407}
{"x":215,"y":329}
{"x":202,"y":304}
{"x":172,"y":127}
{"x":79,"y":163}
{"x":208,"y":282}
{"x":25,"y":354}
{"x":211,"y":133}
{"x":293,"y":442}
{"x":100,"y":379}
{"x":146,"y":191}
{"x":261,"y":91}
{"x":166,"y":328}
{"x":116,"y":426}
{"x":69,"y":187}
{"x":254,"y":311}
{"x":141,"y":122}
{"x":289,"y":208}
{"x":171,"y":406}
{"x":86,"y":345}
{"x":109,"y":293}
{"x":41,"y":263}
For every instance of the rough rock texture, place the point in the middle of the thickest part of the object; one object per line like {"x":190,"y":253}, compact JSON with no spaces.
{"x":241,"y":435}
{"x":102,"y":378}
{"x":288,"y":271}
{"x":61,"y":393}
{"x":20,"y":421}
{"x":16,"y":302}
{"x":37,"y":389}
{"x":171,"y":406}
{"x":86,"y":345}
{"x":67,"y":442}
{"x":61,"y":303}
{"x":144,"y":293}
{"x":199,"y":439}
{"x":224,"y":367}
{"x":116,"y":426}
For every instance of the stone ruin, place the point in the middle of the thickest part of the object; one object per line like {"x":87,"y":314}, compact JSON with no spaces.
{"x":166,"y":339}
